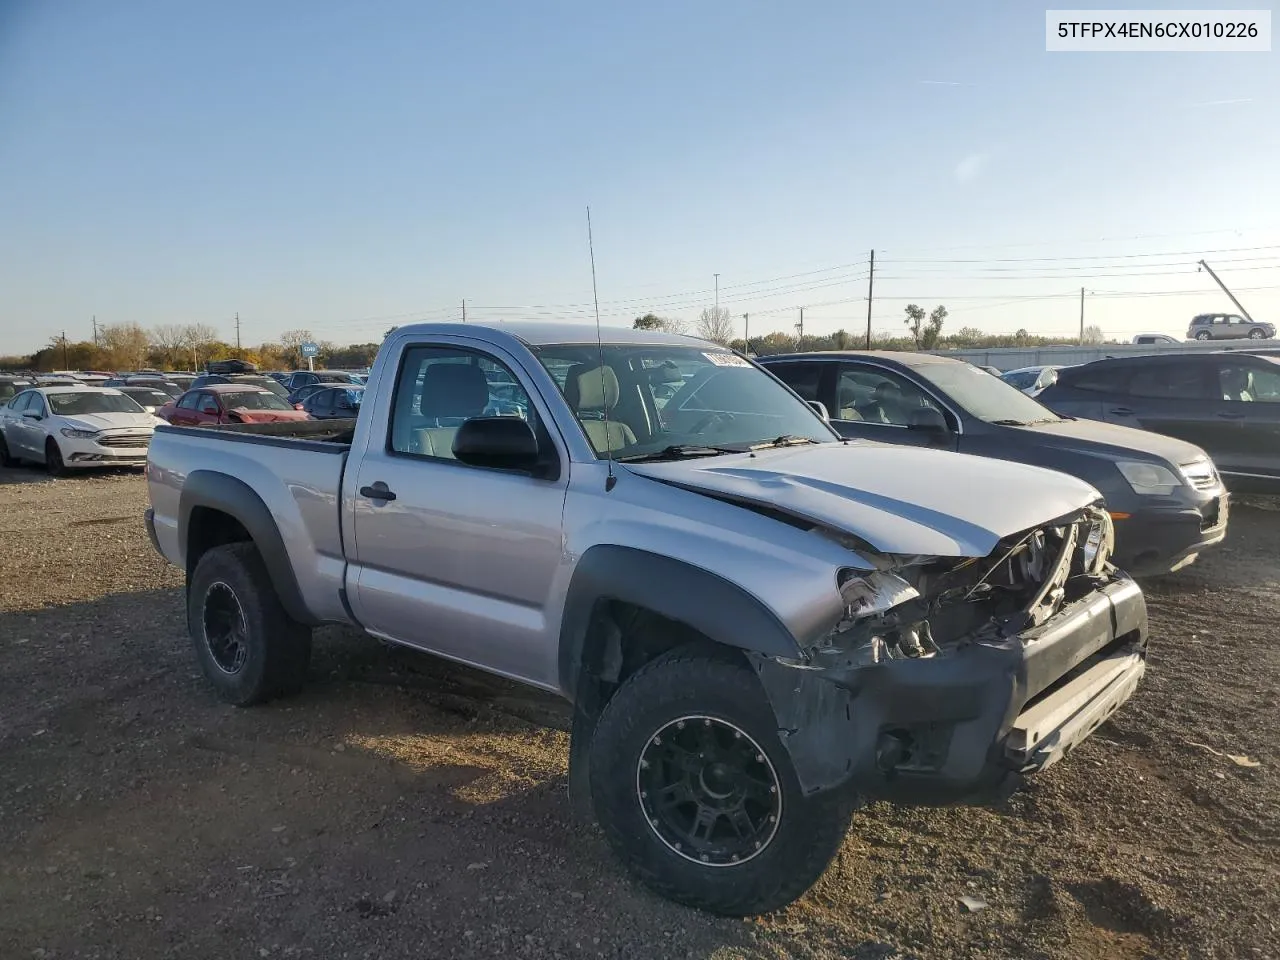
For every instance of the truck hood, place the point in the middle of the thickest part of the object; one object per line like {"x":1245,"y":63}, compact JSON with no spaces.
{"x":1111,"y":440}
{"x":110,"y":421}
{"x":896,"y":499}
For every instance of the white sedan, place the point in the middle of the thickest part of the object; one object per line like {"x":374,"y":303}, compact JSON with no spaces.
{"x":1032,"y":380}
{"x":74,"y":427}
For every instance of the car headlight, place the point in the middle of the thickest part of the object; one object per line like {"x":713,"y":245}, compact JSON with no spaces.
{"x":868,"y":594}
{"x":1149,"y":478}
{"x":1098,"y":544}
{"x":79,"y":434}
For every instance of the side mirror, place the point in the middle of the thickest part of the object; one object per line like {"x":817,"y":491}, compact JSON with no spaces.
{"x":506,"y":443}
{"x":928,"y":419}
{"x":820,"y":408}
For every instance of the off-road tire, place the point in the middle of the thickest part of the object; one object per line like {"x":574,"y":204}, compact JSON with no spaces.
{"x":276,"y":648}
{"x":704,"y":681}
{"x":6,"y":459}
{"x":54,"y":465}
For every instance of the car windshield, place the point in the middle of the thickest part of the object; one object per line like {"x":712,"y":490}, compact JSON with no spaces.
{"x":265,"y":383}
{"x":660,"y":398}
{"x":146,"y":396}
{"x":1022,"y":379}
{"x":253,"y":400}
{"x":164,"y":386}
{"x":91,"y":401}
{"x":985,"y":397}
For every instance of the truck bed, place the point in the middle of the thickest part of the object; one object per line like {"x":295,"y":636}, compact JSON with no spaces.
{"x":294,"y":468}
{"x":323,"y":431}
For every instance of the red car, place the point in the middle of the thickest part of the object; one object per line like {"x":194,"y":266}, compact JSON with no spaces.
{"x":228,"y":403}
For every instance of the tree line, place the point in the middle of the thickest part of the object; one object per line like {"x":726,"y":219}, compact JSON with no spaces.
{"x":923,"y":332}
{"x":130,"y":346}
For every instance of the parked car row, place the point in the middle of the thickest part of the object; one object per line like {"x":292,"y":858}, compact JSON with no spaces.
{"x":73,"y":426}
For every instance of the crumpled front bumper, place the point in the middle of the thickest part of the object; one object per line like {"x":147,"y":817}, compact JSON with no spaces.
{"x":967,"y":724}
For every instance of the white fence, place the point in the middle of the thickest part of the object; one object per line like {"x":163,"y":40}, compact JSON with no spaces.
{"x":1011,"y":358}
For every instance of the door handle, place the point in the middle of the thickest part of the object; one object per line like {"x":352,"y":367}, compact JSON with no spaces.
{"x":378,"y":491}
{"x":1230,"y":415}
{"x":1122,"y":411}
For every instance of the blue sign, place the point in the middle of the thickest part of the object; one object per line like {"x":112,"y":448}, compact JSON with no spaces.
{"x":310,"y":350}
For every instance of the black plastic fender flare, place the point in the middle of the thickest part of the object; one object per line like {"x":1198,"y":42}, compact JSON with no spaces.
{"x":705,"y":601}
{"x":234,"y":497}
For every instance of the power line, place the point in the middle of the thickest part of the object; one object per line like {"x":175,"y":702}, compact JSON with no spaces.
{"x":1111,"y":256}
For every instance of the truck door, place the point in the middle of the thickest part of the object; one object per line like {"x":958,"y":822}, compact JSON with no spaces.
{"x":455,"y":559}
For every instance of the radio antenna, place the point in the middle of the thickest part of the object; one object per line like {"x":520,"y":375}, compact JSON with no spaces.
{"x":610,"y":480}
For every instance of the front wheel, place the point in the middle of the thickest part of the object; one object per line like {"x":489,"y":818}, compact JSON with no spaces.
{"x":6,"y":458}
{"x":1204,"y":335}
{"x":1256,"y":334}
{"x":697,"y":795}
{"x":53,"y":461}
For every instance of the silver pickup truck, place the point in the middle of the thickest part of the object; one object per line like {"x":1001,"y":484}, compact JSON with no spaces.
{"x":758,"y":624}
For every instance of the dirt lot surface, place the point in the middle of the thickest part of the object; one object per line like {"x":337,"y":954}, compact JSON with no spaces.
{"x":403,"y":807}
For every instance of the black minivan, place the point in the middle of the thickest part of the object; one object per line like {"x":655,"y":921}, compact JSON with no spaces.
{"x":1164,"y":495}
{"x":1227,"y":402}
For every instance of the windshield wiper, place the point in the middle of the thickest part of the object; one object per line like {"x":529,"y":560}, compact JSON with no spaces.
{"x":678,"y":451}
{"x":1011,"y":423}
{"x":786,"y":440}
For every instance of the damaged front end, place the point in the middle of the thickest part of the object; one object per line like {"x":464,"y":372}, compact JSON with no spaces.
{"x":946,"y":679}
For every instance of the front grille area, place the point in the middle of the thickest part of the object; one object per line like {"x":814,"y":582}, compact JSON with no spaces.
{"x":138,"y":441}
{"x":1201,"y":474}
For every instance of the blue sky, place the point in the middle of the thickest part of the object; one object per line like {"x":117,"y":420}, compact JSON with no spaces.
{"x":341,"y":167}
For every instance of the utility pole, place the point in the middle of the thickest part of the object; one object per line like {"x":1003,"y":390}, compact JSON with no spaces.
{"x":746,"y":333}
{"x":1082,"y":316}
{"x":237,"y":331}
{"x":871,"y":279}
{"x":65,"y":364}
{"x":717,"y":276}
{"x":1239,"y":306}
{"x":95,"y":331}
{"x":464,"y":309}
{"x":800,"y":329}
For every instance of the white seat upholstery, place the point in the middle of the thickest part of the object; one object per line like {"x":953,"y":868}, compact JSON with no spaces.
{"x":592,"y":390}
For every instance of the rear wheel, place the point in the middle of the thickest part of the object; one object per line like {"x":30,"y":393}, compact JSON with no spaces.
{"x":249,"y":648}
{"x":1204,"y":335}
{"x":697,"y":795}
{"x":6,"y":459}
{"x":53,"y":462}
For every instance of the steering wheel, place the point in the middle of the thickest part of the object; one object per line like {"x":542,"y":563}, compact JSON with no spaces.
{"x":718,"y":416}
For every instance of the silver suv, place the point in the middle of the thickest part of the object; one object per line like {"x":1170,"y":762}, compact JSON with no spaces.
{"x":1228,"y":326}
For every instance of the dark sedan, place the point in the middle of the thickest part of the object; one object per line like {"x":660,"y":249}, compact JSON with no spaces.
{"x":1227,"y":403}
{"x":334,"y":402}
{"x":1164,"y":495}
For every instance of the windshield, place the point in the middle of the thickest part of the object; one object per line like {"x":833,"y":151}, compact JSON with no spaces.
{"x":1021,"y":380}
{"x":253,"y":400}
{"x":76,"y":404}
{"x":146,"y":396}
{"x":669,"y":396}
{"x":984,"y":396}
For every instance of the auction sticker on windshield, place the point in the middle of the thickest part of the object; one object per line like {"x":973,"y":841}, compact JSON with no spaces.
{"x":726,"y":360}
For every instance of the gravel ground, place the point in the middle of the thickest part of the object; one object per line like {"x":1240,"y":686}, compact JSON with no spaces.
{"x":405,"y":807}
